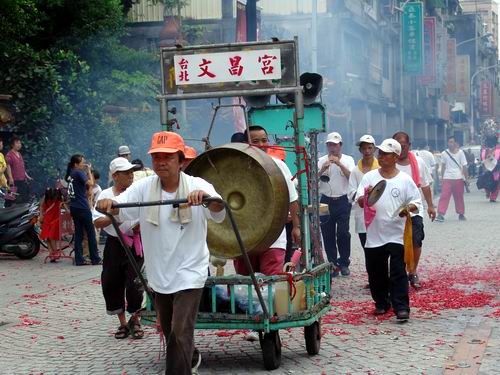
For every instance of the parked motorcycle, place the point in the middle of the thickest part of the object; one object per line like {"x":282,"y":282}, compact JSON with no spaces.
{"x":17,"y":233}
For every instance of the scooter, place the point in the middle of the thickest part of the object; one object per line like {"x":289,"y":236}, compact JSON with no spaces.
{"x":17,"y":230}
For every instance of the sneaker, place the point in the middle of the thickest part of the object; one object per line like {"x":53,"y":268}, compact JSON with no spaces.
{"x":461,"y":217}
{"x":440,"y":218}
{"x":84,"y":263}
{"x":195,"y":361}
{"x":403,"y":315}
{"x":493,"y":201}
{"x":252,"y":336}
{"x":414,"y":280}
{"x":380,"y":311}
{"x":334,"y":274}
{"x":345,"y":271}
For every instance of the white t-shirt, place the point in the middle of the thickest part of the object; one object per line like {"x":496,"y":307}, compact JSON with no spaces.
{"x":280,"y":243}
{"x":354,"y":181}
{"x":425,"y":177}
{"x":176,"y":255}
{"x":96,"y":190}
{"x":125,"y":226}
{"x":387,"y":226}
{"x":428,"y":158}
{"x":452,"y":170}
{"x":338,"y":184}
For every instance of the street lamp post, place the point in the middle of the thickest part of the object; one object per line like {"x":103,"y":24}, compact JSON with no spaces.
{"x":476,"y":38}
{"x":472,"y":96}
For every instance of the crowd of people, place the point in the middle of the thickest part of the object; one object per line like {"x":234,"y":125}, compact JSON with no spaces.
{"x":170,"y":241}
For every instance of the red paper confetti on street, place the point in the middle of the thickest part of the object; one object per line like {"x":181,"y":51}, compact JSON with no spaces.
{"x":442,"y":289}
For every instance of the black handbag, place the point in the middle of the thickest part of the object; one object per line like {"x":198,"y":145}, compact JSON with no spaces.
{"x":486,"y":181}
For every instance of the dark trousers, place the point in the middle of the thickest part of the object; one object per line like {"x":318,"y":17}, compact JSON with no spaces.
{"x":335,"y":230}
{"x":362,"y":239}
{"x":388,"y":285}
{"x":118,"y":279}
{"x":177,"y":313}
{"x":290,"y":246}
{"x":82,"y":218}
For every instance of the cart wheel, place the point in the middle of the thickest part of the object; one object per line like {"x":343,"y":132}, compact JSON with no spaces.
{"x":271,"y":350}
{"x":312,"y":334}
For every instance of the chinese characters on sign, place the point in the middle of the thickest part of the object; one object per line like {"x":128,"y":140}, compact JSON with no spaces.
{"x":429,"y":75}
{"x":220,"y":67}
{"x":451,"y":82}
{"x":486,"y":97}
{"x":412,"y":25}
{"x":463,"y":80}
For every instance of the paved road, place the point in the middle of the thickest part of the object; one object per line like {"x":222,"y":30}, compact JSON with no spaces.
{"x":53,"y":320}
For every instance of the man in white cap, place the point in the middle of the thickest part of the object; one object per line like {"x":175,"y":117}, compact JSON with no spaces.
{"x":124,"y":152}
{"x":175,"y":247}
{"x":334,"y":170}
{"x":385,"y":232}
{"x":117,"y":277}
{"x":415,"y":167}
{"x":367,"y":163}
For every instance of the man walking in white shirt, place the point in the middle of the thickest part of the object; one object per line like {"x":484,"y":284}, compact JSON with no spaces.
{"x":415,"y":167}
{"x":118,"y":276}
{"x":384,"y":234}
{"x":366,"y":164}
{"x":334,"y":170}
{"x":174,"y":240}
{"x":454,"y":175}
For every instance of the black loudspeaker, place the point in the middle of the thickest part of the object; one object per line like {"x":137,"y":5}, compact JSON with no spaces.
{"x":312,"y":84}
{"x":257,"y":101}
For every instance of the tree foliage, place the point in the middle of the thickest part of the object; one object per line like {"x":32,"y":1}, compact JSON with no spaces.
{"x":63,"y":62}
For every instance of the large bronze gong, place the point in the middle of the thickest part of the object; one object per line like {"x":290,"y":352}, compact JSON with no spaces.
{"x":255,"y":189}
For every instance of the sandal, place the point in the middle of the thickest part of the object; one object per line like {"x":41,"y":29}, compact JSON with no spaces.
{"x":122,"y":332}
{"x":136,"y":331}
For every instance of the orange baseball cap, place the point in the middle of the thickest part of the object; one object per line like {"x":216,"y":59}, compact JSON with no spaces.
{"x":168,"y":142}
{"x":189,"y":152}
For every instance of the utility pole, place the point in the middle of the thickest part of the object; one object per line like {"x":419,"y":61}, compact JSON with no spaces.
{"x":251,"y":16}
{"x":314,"y":36}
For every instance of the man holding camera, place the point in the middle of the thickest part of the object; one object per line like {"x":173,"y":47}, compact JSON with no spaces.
{"x":334,"y":170}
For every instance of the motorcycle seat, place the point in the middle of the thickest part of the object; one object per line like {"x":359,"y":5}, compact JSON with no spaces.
{"x":11,"y":213}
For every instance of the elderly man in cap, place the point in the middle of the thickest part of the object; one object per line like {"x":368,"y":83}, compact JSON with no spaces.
{"x":334,"y":170}
{"x":385,"y":231}
{"x":117,"y":277}
{"x":367,"y":163}
{"x":124,"y":152}
{"x":415,"y":167}
{"x":174,"y":240}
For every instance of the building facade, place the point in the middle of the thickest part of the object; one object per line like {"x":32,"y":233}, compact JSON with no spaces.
{"x":356,"y":47}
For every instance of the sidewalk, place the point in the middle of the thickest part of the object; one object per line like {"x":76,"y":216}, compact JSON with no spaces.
{"x":53,"y":318}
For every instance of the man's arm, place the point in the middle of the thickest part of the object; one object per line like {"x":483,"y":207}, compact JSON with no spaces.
{"x":345,"y":170}
{"x":443,"y":168}
{"x":195,"y":198}
{"x":431,"y":210}
{"x":102,"y":222}
{"x":294,"y":209}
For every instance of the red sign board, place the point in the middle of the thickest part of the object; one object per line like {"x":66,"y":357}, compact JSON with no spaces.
{"x":451,"y":69}
{"x":486,"y":98}
{"x":429,"y":76}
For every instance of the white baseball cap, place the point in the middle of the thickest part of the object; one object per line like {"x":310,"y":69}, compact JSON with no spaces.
{"x":391,"y":146}
{"x":120,"y":165}
{"x":366,"y":139}
{"x":333,"y":137}
{"x":123,"y":150}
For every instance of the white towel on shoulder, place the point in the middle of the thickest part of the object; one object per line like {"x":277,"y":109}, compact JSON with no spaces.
{"x":181,"y":214}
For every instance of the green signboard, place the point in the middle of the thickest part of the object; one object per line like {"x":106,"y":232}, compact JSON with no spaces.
{"x":413,"y":38}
